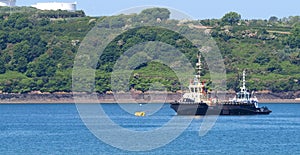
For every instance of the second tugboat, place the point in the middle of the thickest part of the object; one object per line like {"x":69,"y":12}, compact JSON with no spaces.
{"x":198,"y":102}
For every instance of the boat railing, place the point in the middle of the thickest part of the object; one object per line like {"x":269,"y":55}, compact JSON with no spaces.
{"x":237,"y":102}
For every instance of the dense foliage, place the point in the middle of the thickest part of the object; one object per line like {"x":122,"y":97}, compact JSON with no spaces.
{"x":37,"y":49}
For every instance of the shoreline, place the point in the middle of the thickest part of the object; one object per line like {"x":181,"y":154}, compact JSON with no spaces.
{"x":69,"y":98}
{"x":264,"y":101}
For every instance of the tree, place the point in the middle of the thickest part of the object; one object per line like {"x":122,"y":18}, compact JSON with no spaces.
{"x":2,"y":67}
{"x":273,"y":19}
{"x":262,"y":58}
{"x":3,"y":40}
{"x":22,"y":23}
{"x":116,"y":22}
{"x":21,"y":64}
{"x":155,"y":13}
{"x":231,"y":18}
{"x":294,"y":40}
{"x":294,"y":19}
{"x":274,"y":66}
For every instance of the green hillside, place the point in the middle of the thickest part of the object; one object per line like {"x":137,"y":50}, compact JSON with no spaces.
{"x":37,"y":49}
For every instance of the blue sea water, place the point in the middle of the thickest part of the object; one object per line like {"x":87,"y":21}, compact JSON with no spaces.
{"x":58,"y":129}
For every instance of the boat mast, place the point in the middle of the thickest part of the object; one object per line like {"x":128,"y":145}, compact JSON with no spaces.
{"x":198,"y":67}
{"x":244,"y":81}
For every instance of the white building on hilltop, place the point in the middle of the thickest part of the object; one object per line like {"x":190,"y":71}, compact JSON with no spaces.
{"x":7,"y":2}
{"x":56,"y":6}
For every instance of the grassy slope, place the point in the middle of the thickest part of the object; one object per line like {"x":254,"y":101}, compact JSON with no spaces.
{"x":239,"y":53}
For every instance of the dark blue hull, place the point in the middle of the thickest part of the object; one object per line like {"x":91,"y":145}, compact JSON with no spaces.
{"x":218,"y":109}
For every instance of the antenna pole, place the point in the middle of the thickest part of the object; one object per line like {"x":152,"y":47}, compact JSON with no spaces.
{"x":244,"y":80}
{"x":198,"y":67}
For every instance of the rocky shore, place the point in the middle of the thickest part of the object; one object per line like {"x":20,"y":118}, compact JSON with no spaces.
{"x":264,"y":97}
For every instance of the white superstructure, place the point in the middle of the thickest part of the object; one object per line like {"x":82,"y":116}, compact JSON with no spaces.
{"x":197,"y":91}
{"x":56,"y":6}
{"x":7,"y":2}
{"x":244,"y":96}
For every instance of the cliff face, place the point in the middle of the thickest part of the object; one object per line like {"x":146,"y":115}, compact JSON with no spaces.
{"x":110,"y":98}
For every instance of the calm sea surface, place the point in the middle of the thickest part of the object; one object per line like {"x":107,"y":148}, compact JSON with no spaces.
{"x":58,"y":129}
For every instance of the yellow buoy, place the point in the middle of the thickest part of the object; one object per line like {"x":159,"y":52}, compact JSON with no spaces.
{"x":140,"y":113}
